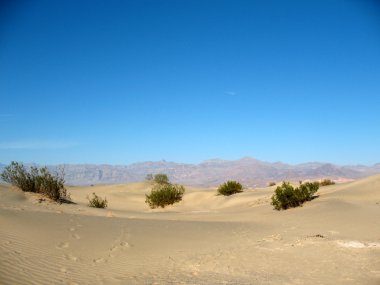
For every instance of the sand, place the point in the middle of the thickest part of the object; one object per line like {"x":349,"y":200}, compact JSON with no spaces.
{"x":205,"y":239}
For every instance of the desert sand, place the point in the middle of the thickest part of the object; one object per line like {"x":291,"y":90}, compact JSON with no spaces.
{"x":205,"y":239}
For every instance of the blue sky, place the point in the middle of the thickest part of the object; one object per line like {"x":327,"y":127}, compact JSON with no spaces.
{"x":126,"y":81}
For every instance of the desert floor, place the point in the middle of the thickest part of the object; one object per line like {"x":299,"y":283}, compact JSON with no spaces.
{"x":205,"y":239}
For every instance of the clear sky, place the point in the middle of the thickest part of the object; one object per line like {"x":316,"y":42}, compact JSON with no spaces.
{"x":126,"y":81}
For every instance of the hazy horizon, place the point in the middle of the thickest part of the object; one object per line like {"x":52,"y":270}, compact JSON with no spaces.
{"x":190,"y":163}
{"x":133,"y":81}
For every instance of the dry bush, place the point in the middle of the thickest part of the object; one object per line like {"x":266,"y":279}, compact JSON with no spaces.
{"x":286,"y":196}
{"x":37,"y":180}
{"x":97,"y":202}
{"x":161,"y":179}
{"x":163,"y":195}
{"x":326,"y":182}
{"x":229,"y":188}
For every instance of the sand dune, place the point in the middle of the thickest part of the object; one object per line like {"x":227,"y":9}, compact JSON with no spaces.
{"x":205,"y":239}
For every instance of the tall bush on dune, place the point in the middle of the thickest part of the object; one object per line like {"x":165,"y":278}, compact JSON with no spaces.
{"x":229,"y":188}
{"x":17,"y":175}
{"x":37,"y":180}
{"x":51,"y":185}
{"x":286,"y":196}
{"x":161,"y":178}
{"x":164,"y":193}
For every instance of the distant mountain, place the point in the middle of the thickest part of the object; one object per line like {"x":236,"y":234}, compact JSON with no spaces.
{"x":247,"y":170}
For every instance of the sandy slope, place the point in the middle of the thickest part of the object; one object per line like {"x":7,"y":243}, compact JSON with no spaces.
{"x":205,"y":239}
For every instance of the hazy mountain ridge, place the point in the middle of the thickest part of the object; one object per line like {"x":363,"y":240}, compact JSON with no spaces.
{"x":249,"y":171}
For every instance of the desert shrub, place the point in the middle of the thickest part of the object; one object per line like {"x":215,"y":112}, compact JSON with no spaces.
{"x":306,"y":191}
{"x":17,"y":175}
{"x":272,"y":184}
{"x":164,"y":194}
{"x":229,"y":188}
{"x":51,"y":185}
{"x":38,"y":180}
{"x":312,"y":186}
{"x":326,"y":182}
{"x":286,"y":196}
{"x":161,"y":178}
{"x":97,"y":202}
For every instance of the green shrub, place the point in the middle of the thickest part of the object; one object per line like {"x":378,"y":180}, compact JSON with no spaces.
{"x":97,"y":202}
{"x":286,"y":196}
{"x":229,"y":188}
{"x":326,"y":182}
{"x":161,"y":179}
{"x":271,"y":184}
{"x":17,"y":175}
{"x":164,"y":194}
{"x":51,"y":185}
{"x":37,"y":180}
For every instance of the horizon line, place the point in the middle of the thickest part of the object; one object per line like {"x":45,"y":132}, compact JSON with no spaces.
{"x":197,"y":163}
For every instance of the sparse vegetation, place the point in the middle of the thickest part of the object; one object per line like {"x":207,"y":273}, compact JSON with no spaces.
{"x":97,"y":202}
{"x":164,"y":194}
{"x":51,"y":185}
{"x":161,"y":178}
{"x":17,"y":175}
{"x":37,"y":180}
{"x":229,"y":188}
{"x":286,"y":196}
{"x":271,"y":184}
{"x":326,"y":182}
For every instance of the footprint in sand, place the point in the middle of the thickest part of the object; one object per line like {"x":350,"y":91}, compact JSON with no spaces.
{"x":75,"y":220}
{"x":75,"y":236}
{"x":121,"y":246}
{"x":124,"y":244}
{"x":71,"y":257}
{"x":63,"y":245}
{"x":98,"y":260}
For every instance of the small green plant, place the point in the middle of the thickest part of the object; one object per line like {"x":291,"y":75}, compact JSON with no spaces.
{"x":229,"y":188}
{"x":163,"y":195}
{"x":161,"y":178}
{"x":97,"y":202}
{"x":286,"y":196}
{"x":326,"y":182}
{"x":271,"y":184}
{"x":37,"y":180}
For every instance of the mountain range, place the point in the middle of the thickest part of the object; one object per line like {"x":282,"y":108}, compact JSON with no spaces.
{"x":249,"y":171}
